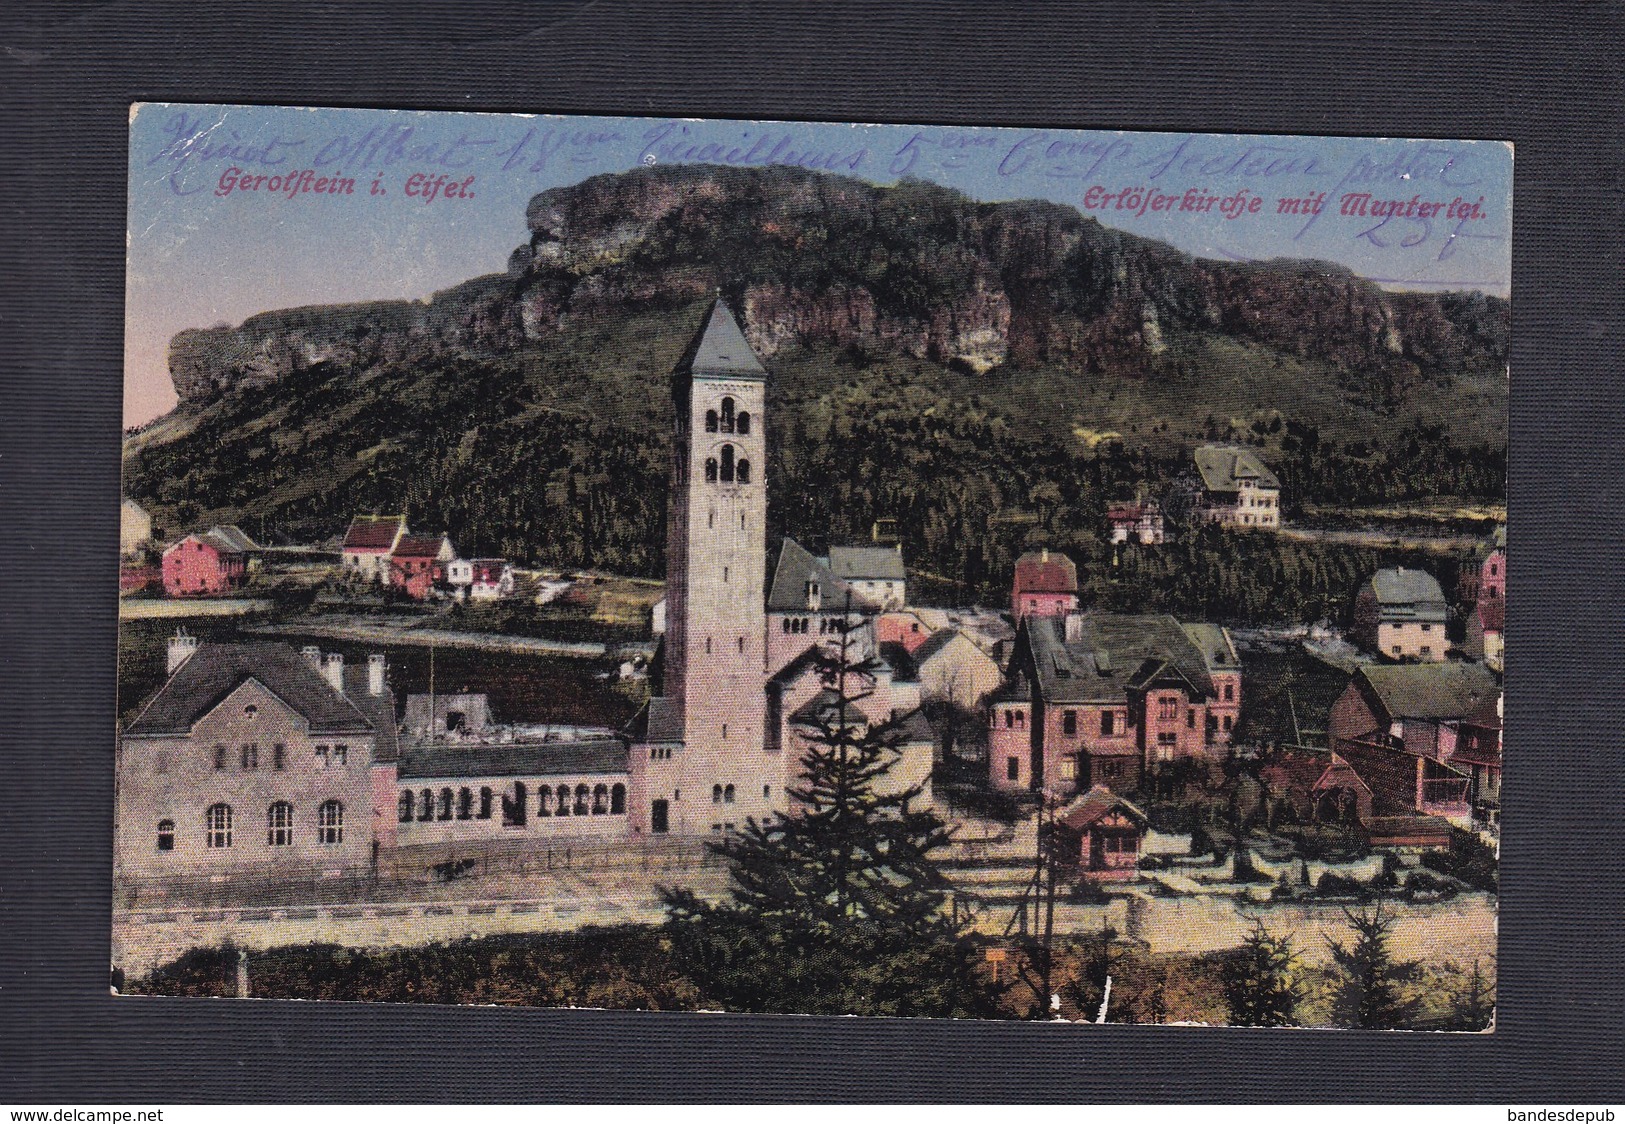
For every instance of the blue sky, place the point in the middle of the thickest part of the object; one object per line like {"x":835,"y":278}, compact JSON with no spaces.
{"x":202,"y":251}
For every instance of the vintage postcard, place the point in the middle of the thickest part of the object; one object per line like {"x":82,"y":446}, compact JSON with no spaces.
{"x":998,"y":573}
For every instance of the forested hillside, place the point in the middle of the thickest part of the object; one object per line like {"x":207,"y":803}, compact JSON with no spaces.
{"x":989,"y":374}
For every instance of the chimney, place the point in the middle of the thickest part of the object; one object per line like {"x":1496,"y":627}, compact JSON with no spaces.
{"x":1043,"y":555}
{"x":313,"y":656}
{"x":181,"y":647}
{"x":375,"y":674}
{"x":333,"y":669}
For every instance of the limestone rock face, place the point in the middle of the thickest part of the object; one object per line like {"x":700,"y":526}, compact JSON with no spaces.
{"x":822,"y":261}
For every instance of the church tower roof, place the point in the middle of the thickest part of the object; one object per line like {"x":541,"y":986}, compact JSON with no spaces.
{"x":719,"y":351}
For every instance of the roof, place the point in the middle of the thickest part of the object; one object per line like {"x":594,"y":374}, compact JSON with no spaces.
{"x":1411,"y":594}
{"x":232,"y":539}
{"x":904,"y":667}
{"x":912,"y":728}
{"x":1131,"y":512}
{"x":940,"y":640}
{"x":797,"y":567}
{"x":216,"y":670}
{"x":1046,"y":571}
{"x":420,"y":546}
{"x":719,"y":350}
{"x":374,"y":532}
{"x":1225,"y":468}
{"x":1430,"y":690}
{"x":379,"y":710}
{"x":824,"y":707}
{"x":1094,"y":806}
{"x":867,"y":563}
{"x":520,"y":759}
{"x":658,"y":723}
{"x":1113,"y":652}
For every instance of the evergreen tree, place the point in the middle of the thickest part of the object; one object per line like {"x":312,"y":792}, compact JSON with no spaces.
{"x":1472,"y":1006}
{"x":838,"y":906}
{"x":1371,"y":991}
{"x":1260,"y":980}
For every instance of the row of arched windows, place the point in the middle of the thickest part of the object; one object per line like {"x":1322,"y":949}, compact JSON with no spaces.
{"x":219,"y":826}
{"x":728,"y":470}
{"x":727,"y":421}
{"x":583,"y":800}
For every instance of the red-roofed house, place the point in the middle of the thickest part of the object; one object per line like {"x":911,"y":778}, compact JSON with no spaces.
{"x":1102,"y":832}
{"x":418,"y":562}
{"x":369,"y":543}
{"x":1046,"y":585}
{"x":1141,"y":522}
{"x":492,"y":579}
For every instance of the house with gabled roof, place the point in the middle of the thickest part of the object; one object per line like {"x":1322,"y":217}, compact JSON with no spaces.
{"x":368,"y":544}
{"x":1400,"y":614}
{"x":875,"y":572}
{"x":1045,"y":585}
{"x":1401,"y":728}
{"x":419,"y":562}
{"x":207,"y":562}
{"x":255,"y":761}
{"x":1102,"y":698}
{"x":1100,"y":833}
{"x":953,"y":668}
{"x":1238,"y":488}
{"x":134,"y":529}
{"x":807,"y":600}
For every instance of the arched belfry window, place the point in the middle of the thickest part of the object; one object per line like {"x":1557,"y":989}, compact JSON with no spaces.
{"x":742,"y":471}
{"x":710,"y":470}
{"x":727,"y":415}
{"x":710,"y":421}
{"x":742,"y":423}
{"x":727,"y":464}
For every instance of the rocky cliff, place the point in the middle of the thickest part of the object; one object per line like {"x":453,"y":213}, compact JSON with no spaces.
{"x":914,"y":270}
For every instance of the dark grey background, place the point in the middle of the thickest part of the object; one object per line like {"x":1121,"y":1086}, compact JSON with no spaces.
{"x":1546,"y":76}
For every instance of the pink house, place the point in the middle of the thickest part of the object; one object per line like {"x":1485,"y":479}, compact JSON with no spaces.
{"x":1046,"y":585}
{"x":215,"y":561}
{"x":905,"y":627}
{"x":1102,"y":833}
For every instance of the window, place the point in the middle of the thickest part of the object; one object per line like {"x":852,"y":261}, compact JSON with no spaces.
{"x":217,"y":826}
{"x":1426,"y":650}
{"x":1168,"y":709}
{"x":787,"y":624}
{"x":716,"y":794}
{"x":727,"y":464}
{"x":425,"y":805}
{"x":544,"y":801}
{"x":279,"y":756}
{"x":405,"y":810}
{"x":219,"y":757}
{"x":249,"y":756}
{"x":340,"y":754}
{"x":1493,"y":592}
{"x":600,"y":799}
{"x":279,"y":824}
{"x":582,"y":793}
{"x":742,"y":423}
{"x":742,"y":471}
{"x":1069,"y":722}
{"x":166,"y":835}
{"x":727,"y":415}
{"x":741,"y":644}
{"x":725,"y":573}
{"x":1190,"y":719}
{"x":330,"y":823}
{"x":465,"y":804}
{"x":485,"y":804}
{"x":1427,"y":628}
{"x":617,"y":800}
{"x":728,"y":794}
{"x":160,"y":762}
{"x":710,"y":470}
{"x":1012,"y":768}
{"x":1009,"y":719}
{"x":563,"y":797}
{"x":1021,"y":719}
{"x":444,"y":804}
{"x":1226,"y":723}
{"x":1069,"y":768}
{"x":1229,"y":692}
{"x":320,"y":754}
{"x":724,"y":731}
{"x":710,"y":421}
{"x":1108,"y":724}
{"x":767,"y":791}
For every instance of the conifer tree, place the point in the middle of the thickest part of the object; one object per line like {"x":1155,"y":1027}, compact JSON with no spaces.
{"x":1371,"y":991}
{"x":837,"y":907}
{"x":1260,"y":980}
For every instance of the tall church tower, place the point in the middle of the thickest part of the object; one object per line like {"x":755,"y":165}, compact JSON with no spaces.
{"x":714,"y":682}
